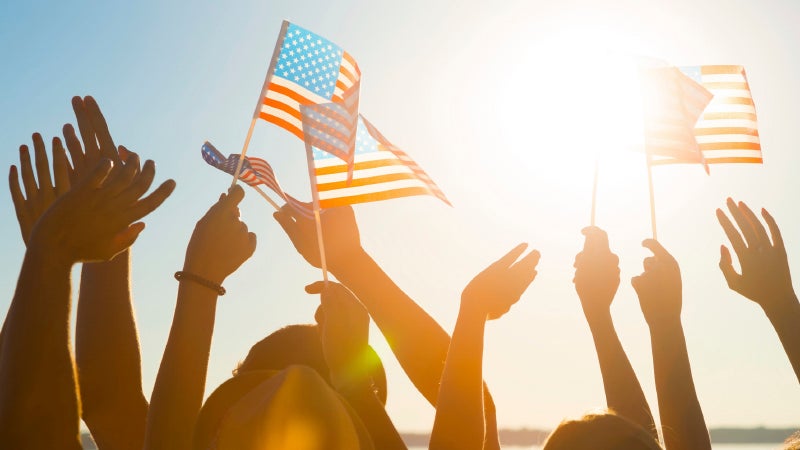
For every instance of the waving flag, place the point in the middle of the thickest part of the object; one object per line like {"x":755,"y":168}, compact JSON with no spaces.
{"x":254,"y":172}
{"x":306,"y":69}
{"x":672,"y":104}
{"x":380,"y":171}
{"x":728,"y":130}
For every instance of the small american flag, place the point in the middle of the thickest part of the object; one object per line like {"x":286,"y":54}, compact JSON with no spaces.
{"x":727,"y":132}
{"x":672,"y":103}
{"x":727,"y":129}
{"x":306,"y":69}
{"x":380,"y":171}
{"x":255,"y":171}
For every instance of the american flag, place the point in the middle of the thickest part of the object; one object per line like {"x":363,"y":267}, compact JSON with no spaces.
{"x":307,"y":69}
{"x":255,"y":171}
{"x":672,"y":103}
{"x":727,"y":131}
{"x":380,"y":171}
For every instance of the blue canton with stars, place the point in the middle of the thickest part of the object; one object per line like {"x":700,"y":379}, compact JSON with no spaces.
{"x":693,"y":72}
{"x":309,"y":60}
{"x":365,"y":143}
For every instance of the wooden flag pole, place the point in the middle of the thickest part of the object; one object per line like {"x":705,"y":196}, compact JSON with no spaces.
{"x":244,"y":152}
{"x":315,"y":197}
{"x":266,"y":197}
{"x":594,"y":189}
{"x":652,"y":194}
{"x":275,"y":53}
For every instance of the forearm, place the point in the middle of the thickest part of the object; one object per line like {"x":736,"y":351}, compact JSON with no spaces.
{"x":37,"y":375}
{"x":459,"y":421}
{"x":786,"y":322}
{"x":623,"y":392}
{"x":682,"y":419}
{"x":180,"y":383}
{"x":417,"y":340}
{"x":108,"y":356}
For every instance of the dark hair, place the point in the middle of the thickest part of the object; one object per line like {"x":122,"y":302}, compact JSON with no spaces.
{"x":300,"y":344}
{"x":605,"y":431}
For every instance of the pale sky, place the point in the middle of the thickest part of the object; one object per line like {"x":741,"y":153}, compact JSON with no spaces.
{"x":504,"y":106}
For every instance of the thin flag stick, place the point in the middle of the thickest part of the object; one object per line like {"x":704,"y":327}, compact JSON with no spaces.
{"x":266,"y":197}
{"x":244,"y":152}
{"x":594,"y":189}
{"x":652,"y":194}
{"x":270,"y":70}
{"x":315,"y":196}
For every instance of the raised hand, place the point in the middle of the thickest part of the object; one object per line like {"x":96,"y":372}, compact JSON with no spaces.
{"x":94,"y":221}
{"x":97,"y":141}
{"x":220,"y":242}
{"x":596,"y":274}
{"x":500,"y":285}
{"x":339,"y":231}
{"x":39,"y":195}
{"x":344,"y":332}
{"x":765,"y":277}
{"x":659,"y":286}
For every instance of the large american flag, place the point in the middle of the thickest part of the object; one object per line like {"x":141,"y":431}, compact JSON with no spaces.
{"x":380,"y":171}
{"x":672,"y":104}
{"x":727,"y":131}
{"x":306,"y":69}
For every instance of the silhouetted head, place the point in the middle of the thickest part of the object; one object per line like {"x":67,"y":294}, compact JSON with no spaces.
{"x":291,"y":346}
{"x":606,"y":431}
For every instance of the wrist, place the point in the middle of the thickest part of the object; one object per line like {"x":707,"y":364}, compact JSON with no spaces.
{"x":599,"y":320}
{"x":788,"y":310}
{"x":665,"y":328}
{"x":48,"y":256}
{"x":203,"y":271}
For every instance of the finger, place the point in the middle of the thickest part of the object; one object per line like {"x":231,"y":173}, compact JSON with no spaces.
{"x":319,"y":316}
{"x":527,"y":264}
{"x":42,"y":164}
{"x":316,"y":287}
{"x":733,"y":234}
{"x":61,"y":168}
{"x":744,"y":224}
{"x":126,"y":238}
{"x":141,"y":182}
{"x":97,"y":176}
{"x":649,"y":263}
{"x":638,"y":285}
{"x":146,"y":205}
{"x":285,"y":220}
{"x":91,"y":150}
{"x":511,"y":256}
{"x":235,"y":196}
{"x":75,"y":149}
{"x":726,"y":266}
{"x":28,"y":180}
{"x":596,"y":239}
{"x":122,"y":178}
{"x":253,"y":242}
{"x":657,"y":249}
{"x":123,"y":153}
{"x":19,"y":202}
{"x":755,"y":225}
{"x":107,"y":147}
{"x":777,"y":239}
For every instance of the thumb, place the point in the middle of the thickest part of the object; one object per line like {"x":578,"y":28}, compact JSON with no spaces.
{"x":316,"y":287}
{"x":127,"y":237}
{"x":726,"y":266}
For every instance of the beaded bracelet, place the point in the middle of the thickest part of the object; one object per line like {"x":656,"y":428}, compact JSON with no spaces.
{"x":186,"y":276}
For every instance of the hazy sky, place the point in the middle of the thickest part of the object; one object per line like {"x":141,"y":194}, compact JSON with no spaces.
{"x":504,"y":106}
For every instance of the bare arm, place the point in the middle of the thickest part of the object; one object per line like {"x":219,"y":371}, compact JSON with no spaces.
{"x":659,"y":290}
{"x":107,"y":344}
{"x":344,"y":333}
{"x":596,"y":281}
{"x":219,"y":245}
{"x":459,"y":422}
{"x":417,"y":340}
{"x":765,"y":277}
{"x":92,"y":222}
